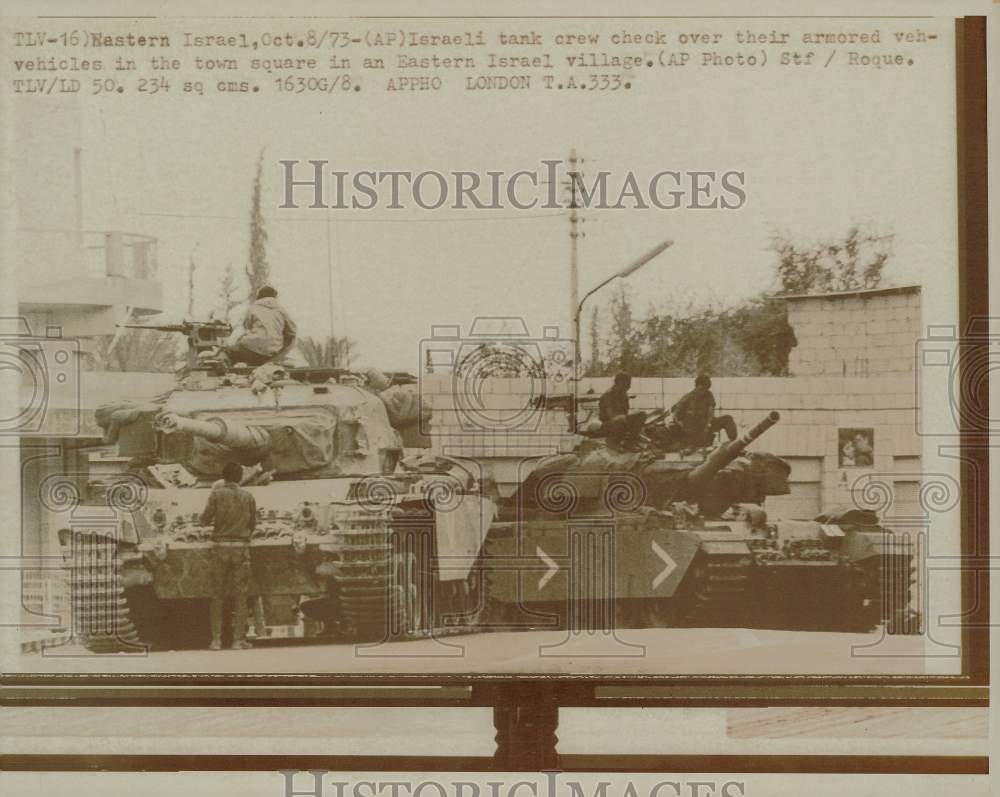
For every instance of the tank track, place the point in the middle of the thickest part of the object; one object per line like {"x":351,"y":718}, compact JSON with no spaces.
{"x":369,"y":578}
{"x":101,"y":618}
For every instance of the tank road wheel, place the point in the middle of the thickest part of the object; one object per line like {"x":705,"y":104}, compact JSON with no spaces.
{"x":102,"y":594}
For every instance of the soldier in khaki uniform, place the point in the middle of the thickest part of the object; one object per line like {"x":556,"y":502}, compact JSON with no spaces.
{"x":268,"y":331}
{"x":620,"y":425}
{"x":232,"y":512}
{"x":694,"y":418}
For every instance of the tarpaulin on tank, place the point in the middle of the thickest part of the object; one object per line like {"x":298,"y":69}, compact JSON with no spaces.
{"x":404,"y":405}
{"x":461,"y":530}
{"x":335,"y":429}
{"x":305,"y":444}
{"x":129,"y":424}
{"x":409,"y":413}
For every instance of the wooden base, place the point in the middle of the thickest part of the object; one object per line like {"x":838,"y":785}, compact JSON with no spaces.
{"x":526,"y":720}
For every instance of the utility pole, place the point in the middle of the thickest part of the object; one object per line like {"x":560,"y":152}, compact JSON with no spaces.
{"x":575,"y":233}
{"x":329,"y":272}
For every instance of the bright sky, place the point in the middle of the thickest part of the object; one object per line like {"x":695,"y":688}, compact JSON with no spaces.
{"x":821,"y":150}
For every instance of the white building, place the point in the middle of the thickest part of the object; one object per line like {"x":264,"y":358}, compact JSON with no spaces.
{"x":82,"y":285}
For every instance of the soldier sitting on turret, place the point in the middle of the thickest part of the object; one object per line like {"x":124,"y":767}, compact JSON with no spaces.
{"x":270,"y":332}
{"x":618,"y":424}
{"x":694,"y":420}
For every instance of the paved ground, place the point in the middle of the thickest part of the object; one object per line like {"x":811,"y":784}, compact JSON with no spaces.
{"x":649,"y":651}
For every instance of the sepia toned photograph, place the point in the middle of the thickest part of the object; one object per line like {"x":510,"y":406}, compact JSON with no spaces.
{"x":475,"y":399}
{"x":452,"y":346}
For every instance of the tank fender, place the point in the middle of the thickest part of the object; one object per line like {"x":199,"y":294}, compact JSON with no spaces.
{"x":861,"y":545}
{"x":725,"y":548}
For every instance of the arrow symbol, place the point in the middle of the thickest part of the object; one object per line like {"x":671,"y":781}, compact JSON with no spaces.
{"x":671,"y":565}
{"x":553,"y":567}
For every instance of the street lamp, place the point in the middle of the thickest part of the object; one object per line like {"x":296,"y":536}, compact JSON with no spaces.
{"x":628,"y":271}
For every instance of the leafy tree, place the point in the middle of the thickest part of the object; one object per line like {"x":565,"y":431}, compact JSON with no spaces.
{"x":625,"y":338}
{"x":190,"y":285}
{"x":327,"y":353}
{"x":752,"y":338}
{"x":145,"y":350}
{"x":513,"y":360}
{"x":595,"y":343}
{"x":854,"y":263}
{"x":760,"y":328}
{"x":230,"y":296}
{"x":258,"y":270}
{"x":500,"y":360}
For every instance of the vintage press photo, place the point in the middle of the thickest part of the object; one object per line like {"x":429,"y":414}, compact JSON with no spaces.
{"x":390,"y":345}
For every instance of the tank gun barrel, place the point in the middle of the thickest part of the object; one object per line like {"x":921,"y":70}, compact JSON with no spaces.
{"x":726,"y":453}
{"x":228,"y":433}
{"x":158,"y":327}
{"x":217,"y":329}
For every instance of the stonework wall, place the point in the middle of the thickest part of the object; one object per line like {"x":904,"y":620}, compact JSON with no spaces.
{"x":855,"y":335}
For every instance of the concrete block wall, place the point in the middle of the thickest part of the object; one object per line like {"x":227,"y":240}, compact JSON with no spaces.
{"x":852,"y":367}
{"x":496,"y":421}
{"x":494,"y":418}
{"x":856,"y":335}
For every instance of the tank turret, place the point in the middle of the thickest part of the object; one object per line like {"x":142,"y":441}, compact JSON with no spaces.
{"x":719,"y":481}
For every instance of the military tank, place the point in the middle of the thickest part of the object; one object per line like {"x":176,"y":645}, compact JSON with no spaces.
{"x":647,"y":538}
{"x":360,"y":537}
{"x":346,"y":524}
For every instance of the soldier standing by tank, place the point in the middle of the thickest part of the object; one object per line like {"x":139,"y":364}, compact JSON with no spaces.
{"x":694,"y":415}
{"x":618,"y":424}
{"x":232,"y":512}
{"x":270,"y":331}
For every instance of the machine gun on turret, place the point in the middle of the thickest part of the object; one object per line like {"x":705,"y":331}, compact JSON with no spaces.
{"x":202,"y":336}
